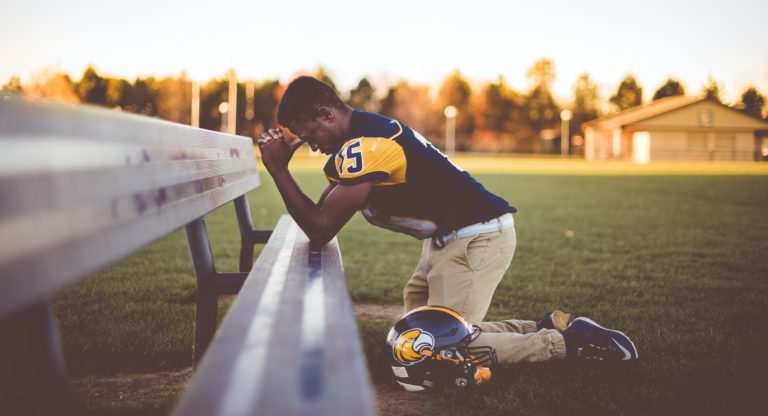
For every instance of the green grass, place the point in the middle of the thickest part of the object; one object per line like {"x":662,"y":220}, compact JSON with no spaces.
{"x":677,"y":259}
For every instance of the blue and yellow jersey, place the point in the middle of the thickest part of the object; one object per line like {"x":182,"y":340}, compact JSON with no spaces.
{"x":417,"y":190}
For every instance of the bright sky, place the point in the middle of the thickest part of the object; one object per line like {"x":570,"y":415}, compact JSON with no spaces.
{"x":419,"y":40}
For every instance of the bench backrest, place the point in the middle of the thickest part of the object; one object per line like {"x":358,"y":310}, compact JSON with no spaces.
{"x":82,"y":187}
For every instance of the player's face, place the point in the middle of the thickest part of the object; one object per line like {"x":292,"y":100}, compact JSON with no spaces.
{"x":318,"y":133}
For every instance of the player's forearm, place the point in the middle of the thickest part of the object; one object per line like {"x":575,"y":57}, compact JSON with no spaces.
{"x":304,"y":211}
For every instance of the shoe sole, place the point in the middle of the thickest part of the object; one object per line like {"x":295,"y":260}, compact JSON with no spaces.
{"x":615,"y":332}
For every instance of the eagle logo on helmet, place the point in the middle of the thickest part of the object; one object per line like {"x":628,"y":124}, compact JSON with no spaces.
{"x":413,"y":346}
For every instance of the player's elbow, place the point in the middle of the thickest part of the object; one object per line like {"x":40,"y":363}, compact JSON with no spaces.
{"x":320,"y":234}
{"x":317,"y":241}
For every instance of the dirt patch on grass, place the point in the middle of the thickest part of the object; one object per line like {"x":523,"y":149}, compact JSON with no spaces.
{"x":377,"y":312}
{"x":135,"y":390}
{"x":150,"y":390}
{"x":394,"y":401}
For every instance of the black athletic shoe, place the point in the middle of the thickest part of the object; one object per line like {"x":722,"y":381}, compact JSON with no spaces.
{"x":558,"y":320}
{"x":585,"y":339}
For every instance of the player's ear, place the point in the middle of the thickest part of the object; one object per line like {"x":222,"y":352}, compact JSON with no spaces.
{"x":325,"y":114}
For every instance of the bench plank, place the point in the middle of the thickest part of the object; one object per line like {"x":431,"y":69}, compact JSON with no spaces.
{"x":260,"y":363}
{"x":81,"y":187}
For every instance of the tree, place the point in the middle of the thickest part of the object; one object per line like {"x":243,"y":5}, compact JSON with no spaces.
{"x":324,"y":76}
{"x":142,"y":97}
{"x":712,"y":89}
{"x":543,"y":112}
{"x":174,"y":99}
{"x":50,"y":84}
{"x":671,"y":87}
{"x":265,"y":105}
{"x":361,"y":97}
{"x":628,"y":95}
{"x":92,"y":88}
{"x":13,"y":86}
{"x":456,"y":91}
{"x":501,"y":120}
{"x":212,"y":94}
{"x":542,"y":72}
{"x":753,"y":102}
{"x":585,"y":101}
{"x":118,"y":93}
{"x":389,"y":102}
{"x":412,"y":104}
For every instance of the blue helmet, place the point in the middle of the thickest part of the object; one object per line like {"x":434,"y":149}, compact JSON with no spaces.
{"x":430,"y":348}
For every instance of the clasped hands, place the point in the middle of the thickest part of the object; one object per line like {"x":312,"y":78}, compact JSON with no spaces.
{"x":275,"y":152}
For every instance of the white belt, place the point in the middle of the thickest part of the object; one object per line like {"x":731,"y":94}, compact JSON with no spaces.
{"x":490,"y":226}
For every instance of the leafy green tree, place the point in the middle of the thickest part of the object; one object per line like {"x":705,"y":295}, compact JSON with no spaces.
{"x":142,"y":96}
{"x":13,"y":86}
{"x":413,"y":105}
{"x":361,"y":97}
{"x":265,"y":104}
{"x":456,"y":91}
{"x":50,"y":84}
{"x":585,"y":102}
{"x":542,"y":110}
{"x":501,"y":116}
{"x":388,"y":102}
{"x":118,"y":92}
{"x":542,"y":72}
{"x":628,"y":95}
{"x":174,"y":98}
{"x":752,"y":102}
{"x":92,"y":88}
{"x":324,"y":76}
{"x":671,"y":87}
{"x":212,"y":94}
{"x":712,"y":90}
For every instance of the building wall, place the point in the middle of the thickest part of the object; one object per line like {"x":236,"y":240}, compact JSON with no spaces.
{"x":701,"y":131}
{"x":705,"y":114}
{"x":698,"y":145}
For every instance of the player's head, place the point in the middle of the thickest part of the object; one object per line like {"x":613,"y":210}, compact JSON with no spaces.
{"x":314,"y":112}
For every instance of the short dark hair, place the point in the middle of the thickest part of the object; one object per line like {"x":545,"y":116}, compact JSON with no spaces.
{"x":303,"y":97}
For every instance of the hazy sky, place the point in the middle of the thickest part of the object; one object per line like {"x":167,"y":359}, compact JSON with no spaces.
{"x":420,"y":40}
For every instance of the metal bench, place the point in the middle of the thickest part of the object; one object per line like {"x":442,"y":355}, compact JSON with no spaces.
{"x":82,"y":187}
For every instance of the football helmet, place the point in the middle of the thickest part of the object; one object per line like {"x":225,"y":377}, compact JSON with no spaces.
{"x":430,"y":349}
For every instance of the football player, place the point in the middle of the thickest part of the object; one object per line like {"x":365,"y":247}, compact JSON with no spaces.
{"x":398,"y":180}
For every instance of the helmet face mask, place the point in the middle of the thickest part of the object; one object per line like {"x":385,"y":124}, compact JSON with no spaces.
{"x":430,"y":349}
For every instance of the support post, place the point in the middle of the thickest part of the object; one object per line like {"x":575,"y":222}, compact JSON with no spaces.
{"x":248,"y":236}
{"x":34,"y":378}
{"x":207,"y":297}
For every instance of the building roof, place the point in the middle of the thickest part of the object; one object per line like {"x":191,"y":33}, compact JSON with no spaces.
{"x":642,"y":112}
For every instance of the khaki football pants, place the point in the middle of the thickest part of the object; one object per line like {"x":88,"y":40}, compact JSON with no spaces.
{"x":463,"y":276}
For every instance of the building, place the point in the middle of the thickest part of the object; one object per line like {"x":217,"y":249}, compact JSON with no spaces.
{"x":675,"y":128}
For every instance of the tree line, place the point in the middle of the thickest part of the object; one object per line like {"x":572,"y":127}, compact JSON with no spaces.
{"x":491,"y":117}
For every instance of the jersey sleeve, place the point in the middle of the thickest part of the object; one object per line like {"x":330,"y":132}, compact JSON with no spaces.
{"x":331,"y":174}
{"x":375,"y":159}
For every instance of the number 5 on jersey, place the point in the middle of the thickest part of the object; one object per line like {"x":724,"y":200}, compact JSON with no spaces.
{"x":352,"y":159}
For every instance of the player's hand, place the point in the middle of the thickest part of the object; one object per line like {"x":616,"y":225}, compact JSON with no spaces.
{"x":275,"y":152}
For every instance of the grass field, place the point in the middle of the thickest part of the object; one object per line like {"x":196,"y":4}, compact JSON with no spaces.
{"x":676,"y":255}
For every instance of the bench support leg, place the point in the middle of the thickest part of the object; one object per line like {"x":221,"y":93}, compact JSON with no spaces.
{"x":207,"y":298}
{"x":210,"y":283}
{"x":34,"y":379}
{"x":248,"y":236}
